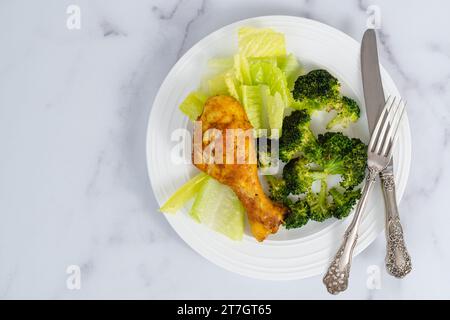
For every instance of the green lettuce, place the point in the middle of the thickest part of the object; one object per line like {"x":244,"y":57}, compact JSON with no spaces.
{"x":218,"y":207}
{"x":184,"y":194}
{"x":255,"y":42}
{"x":192,"y":105}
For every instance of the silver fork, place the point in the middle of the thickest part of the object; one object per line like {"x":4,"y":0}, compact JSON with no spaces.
{"x":379,"y":154}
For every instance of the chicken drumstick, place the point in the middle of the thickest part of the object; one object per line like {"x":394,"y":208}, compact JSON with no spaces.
{"x":221,"y":113}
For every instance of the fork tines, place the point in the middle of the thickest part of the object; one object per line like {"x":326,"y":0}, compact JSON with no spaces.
{"x":385,"y":132}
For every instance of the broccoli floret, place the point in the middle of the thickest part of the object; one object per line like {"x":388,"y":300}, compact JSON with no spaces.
{"x":309,"y":147}
{"x":315,"y":90}
{"x":319,"y":90}
{"x":329,"y":154}
{"x":297,"y":137}
{"x":354,"y":164}
{"x":344,"y":156}
{"x":343,"y":202}
{"x":277,"y":189}
{"x":334,"y":145}
{"x":320,"y":208}
{"x":340,"y":155}
{"x":299,"y":175}
{"x":347,"y":112}
{"x":298,"y":215}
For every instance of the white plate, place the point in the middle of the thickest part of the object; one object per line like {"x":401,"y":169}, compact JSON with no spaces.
{"x":288,"y":254}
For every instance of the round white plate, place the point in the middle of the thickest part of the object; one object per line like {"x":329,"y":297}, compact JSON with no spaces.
{"x":290,"y":254}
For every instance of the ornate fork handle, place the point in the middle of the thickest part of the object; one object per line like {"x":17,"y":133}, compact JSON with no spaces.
{"x":336,"y":278}
{"x":398,"y":261}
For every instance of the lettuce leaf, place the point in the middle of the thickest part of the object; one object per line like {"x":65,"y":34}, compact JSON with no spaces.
{"x":275,"y":112}
{"x":290,"y":67}
{"x":273,"y":77}
{"x":192,"y":105}
{"x":255,"y":42}
{"x":254,"y":100}
{"x":184,"y":193}
{"x":233,"y":85}
{"x":217,"y":207}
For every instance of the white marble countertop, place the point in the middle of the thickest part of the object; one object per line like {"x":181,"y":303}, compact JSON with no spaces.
{"x":74,"y":106}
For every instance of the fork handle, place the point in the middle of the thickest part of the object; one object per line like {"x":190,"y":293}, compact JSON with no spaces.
{"x":398,"y":261}
{"x":336,"y":278}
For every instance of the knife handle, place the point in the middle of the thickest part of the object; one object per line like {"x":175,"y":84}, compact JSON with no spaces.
{"x":398,"y":261}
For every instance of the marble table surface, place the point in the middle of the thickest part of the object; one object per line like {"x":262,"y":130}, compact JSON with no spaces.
{"x":74,"y":105}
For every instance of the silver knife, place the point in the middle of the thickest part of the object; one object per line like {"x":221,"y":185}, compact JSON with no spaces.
{"x":398,"y":261}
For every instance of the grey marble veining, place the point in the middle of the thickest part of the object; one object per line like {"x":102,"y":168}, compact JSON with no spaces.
{"x":73,"y":114}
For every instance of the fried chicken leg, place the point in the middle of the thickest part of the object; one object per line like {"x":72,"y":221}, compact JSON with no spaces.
{"x":222,"y":113}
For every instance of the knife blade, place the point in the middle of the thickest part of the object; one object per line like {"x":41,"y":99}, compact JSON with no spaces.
{"x":372,"y":85}
{"x":398,"y":261}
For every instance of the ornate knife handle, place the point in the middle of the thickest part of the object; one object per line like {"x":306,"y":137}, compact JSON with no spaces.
{"x":398,"y":261}
{"x":336,"y":278}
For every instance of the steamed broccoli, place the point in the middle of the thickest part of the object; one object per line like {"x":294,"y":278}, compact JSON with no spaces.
{"x":297,"y":137}
{"x":344,"y":156}
{"x":330,"y":154}
{"x":334,"y":145}
{"x":316,"y":90}
{"x":298,"y":211}
{"x":277,"y":189}
{"x":340,"y":155}
{"x":343,"y":202}
{"x":298,"y":214}
{"x":354,"y":163}
{"x":347,"y":112}
{"x":317,"y":207}
{"x":320,"y":207}
{"x":299,"y":175}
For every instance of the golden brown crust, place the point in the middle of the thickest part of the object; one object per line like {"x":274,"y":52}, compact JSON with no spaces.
{"x":225,"y":112}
